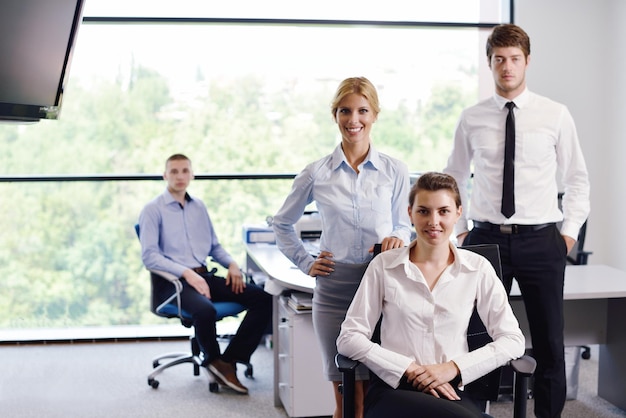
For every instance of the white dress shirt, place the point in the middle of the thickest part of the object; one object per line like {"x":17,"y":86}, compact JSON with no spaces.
{"x":429,"y":327}
{"x":546,"y":147}
{"x":357,"y":210}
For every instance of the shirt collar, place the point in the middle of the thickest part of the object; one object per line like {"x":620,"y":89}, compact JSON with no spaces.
{"x":520,"y":101}
{"x":170,"y":199}
{"x":402,"y":258}
{"x":338,"y":158}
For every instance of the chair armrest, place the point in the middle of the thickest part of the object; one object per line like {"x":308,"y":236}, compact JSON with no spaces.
{"x":345,"y":364}
{"x":525,"y":365}
{"x":347,"y":368}
{"x":523,"y":368}
{"x":172,"y":279}
{"x":178,"y":288}
{"x":167,"y":276}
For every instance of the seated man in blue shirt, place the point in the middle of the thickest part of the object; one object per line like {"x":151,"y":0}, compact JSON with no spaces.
{"x":176,"y":237}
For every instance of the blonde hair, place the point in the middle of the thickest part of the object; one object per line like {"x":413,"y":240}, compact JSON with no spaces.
{"x":358,"y":85}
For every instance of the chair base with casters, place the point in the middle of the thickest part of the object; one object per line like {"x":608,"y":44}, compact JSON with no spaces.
{"x":159,"y":364}
{"x":523,"y":367}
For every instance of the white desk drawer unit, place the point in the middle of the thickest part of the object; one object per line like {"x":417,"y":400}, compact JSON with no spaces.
{"x":302,"y":388}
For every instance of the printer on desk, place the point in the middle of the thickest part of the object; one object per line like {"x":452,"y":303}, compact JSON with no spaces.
{"x":308,"y":229}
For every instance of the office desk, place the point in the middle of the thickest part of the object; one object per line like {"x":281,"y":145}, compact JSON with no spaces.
{"x":594,"y":309}
{"x":299,"y":384}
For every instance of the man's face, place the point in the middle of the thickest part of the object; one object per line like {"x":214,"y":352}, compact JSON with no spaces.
{"x":178,"y":175}
{"x":508,"y":66}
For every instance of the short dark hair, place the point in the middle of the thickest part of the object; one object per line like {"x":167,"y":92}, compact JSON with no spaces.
{"x":433,"y":181}
{"x":507,"y":35}
{"x":177,"y":157}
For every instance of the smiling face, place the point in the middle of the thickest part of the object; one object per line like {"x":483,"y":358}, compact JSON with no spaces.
{"x":355,"y":117}
{"x":434,"y":214}
{"x":508,"y":66}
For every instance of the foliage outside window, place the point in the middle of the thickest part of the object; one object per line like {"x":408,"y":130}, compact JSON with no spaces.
{"x":234,"y":97}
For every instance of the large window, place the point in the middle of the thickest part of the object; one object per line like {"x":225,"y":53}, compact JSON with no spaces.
{"x":242,"y":87}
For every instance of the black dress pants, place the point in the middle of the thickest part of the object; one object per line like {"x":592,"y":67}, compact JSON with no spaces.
{"x":536,"y":259}
{"x":255,"y":323}
{"x":383,"y":401}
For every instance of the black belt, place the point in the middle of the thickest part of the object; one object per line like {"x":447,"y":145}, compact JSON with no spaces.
{"x":204,"y":270}
{"x":511,"y":228}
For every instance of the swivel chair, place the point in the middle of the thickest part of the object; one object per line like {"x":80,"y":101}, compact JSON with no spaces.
{"x":579,"y":256}
{"x":171,"y":308}
{"x":484,"y":389}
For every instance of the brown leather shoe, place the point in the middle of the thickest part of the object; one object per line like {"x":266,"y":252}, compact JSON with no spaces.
{"x":212,"y":376}
{"x":227,"y":374}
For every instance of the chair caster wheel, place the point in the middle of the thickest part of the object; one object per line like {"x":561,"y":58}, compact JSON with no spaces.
{"x":155,"y":364}
{"x":249,"y":372}
{"x":154,"y":383}
{"x":586,"y":355}
{"x":214,"y":387}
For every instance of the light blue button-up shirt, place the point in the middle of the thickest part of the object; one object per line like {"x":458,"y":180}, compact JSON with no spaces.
{"x":175,"y":237}
{"x":356,"y":210}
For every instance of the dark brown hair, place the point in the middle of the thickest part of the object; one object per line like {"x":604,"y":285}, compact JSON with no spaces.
{"x":433,"y":181}
{"x":507,"y":35}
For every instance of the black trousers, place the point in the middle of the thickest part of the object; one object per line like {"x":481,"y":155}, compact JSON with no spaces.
{"x":536,"y":259}
{"x":255,"y":323}
{"x":383,"y":401}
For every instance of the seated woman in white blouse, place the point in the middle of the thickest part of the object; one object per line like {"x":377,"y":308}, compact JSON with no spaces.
{"x":426,"y":293}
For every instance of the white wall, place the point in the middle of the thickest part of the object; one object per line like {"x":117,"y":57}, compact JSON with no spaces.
{"x":579,"y":58}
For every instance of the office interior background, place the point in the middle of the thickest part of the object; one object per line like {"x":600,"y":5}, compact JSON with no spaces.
{"x":253,"y":99}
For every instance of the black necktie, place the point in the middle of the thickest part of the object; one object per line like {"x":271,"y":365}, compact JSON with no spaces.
{"x":508,"y":190}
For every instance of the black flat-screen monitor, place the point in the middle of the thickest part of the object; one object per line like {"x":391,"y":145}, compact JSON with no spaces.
{"x":37,"y":38}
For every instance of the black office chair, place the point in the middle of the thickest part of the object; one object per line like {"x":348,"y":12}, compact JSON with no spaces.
{"x":579,"y":256}
{"x":485,"y":389}
{"x":170,"y":308}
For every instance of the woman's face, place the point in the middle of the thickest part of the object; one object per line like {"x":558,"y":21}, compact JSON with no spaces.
{"x":434,"y":215}
{"x":355,"y":117}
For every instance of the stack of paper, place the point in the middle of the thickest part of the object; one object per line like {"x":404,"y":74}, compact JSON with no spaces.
{"x":301,"y":301}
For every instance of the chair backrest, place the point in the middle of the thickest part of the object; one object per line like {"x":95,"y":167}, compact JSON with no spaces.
{"x":170,"y":308}
{"x":579,"y":255}
{"x":487,"y":388}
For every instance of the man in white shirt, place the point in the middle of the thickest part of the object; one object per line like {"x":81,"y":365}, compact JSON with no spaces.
{"x":532,"y":248}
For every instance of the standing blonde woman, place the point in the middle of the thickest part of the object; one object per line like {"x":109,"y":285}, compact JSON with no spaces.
{"x":361,"y":197}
